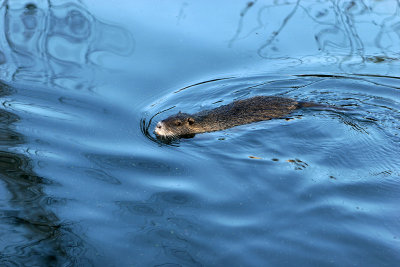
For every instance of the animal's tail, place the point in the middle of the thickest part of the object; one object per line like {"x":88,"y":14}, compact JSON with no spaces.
{"x":315,"y":105}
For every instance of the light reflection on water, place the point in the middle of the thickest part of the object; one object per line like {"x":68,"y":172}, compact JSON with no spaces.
{"x":84,"y":181}
{"x":60,"y":44}
{"x":338,"y":32}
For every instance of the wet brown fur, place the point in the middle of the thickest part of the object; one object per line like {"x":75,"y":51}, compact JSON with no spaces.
{"x":258,"y":108}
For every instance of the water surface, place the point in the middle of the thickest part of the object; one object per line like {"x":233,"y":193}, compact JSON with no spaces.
{"x":84,"y":181}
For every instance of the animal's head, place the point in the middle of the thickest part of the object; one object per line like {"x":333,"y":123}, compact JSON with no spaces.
{"x":178,"y":125}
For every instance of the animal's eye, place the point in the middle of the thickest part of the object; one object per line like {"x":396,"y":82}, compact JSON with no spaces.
{"x":190,"y":121}
{"x":178,"y":123}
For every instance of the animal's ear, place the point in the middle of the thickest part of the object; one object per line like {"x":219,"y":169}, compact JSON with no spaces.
{"x":190,"y":120}
{"x":179,"y":112}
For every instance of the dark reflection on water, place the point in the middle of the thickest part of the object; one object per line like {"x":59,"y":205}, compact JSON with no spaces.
{"x":59,"y":44}
{"x":31,"y":234}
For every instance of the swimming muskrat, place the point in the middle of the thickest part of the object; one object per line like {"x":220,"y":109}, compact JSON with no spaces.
{"x":258,"y":108}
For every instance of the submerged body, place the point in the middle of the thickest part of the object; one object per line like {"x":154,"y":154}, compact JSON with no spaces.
{"x":259,"y":108}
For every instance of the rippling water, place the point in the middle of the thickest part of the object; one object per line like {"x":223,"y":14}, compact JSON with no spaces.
{"x":84,"y":181}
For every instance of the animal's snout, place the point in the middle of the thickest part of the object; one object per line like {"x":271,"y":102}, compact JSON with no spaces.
{"x":158,"y":128}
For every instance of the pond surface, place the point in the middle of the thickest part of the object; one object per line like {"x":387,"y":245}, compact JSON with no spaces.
{"x":84,"y":181}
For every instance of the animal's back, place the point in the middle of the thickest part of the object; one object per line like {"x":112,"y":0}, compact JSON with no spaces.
{"x":257,"y":107}
{"x":249,"y":110}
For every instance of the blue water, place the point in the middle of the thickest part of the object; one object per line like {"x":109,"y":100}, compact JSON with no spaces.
{"x":84,"y":181}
